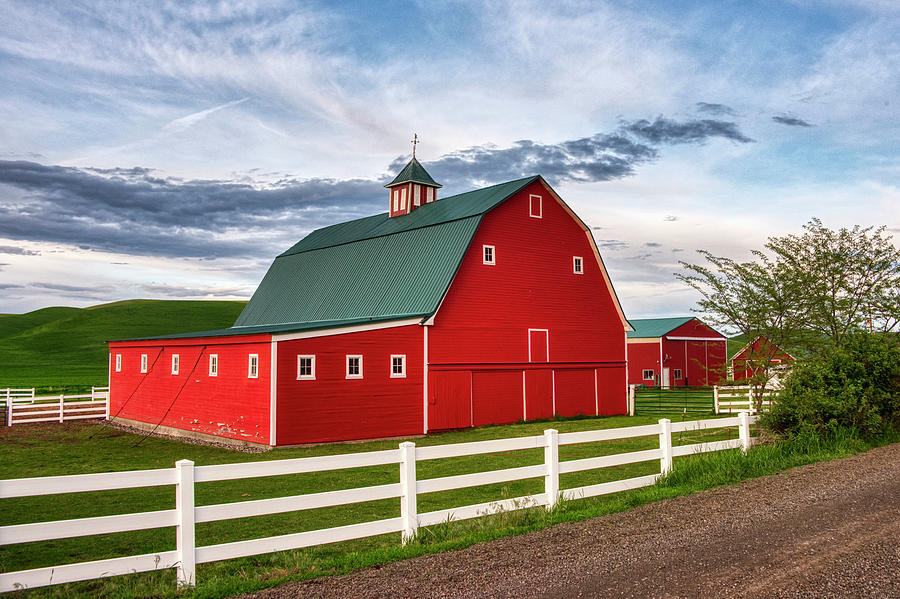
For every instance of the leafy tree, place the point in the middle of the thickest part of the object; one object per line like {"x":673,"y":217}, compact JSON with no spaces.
{"x":802,"y":292}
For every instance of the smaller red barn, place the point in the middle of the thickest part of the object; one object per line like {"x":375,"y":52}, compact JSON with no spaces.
{"x":675,"y":352}
{"x":750,"y":358}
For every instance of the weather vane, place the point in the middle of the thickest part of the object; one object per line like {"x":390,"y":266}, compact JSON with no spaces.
{"x":415,"y":140}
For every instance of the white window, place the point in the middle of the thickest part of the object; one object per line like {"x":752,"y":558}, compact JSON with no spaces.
{"x":577,"y":265}
{"x":253,"y":367}
{"x":396,"y":200}
{"x":417,"y":195}
{"x":398,"y":366}
{"x":174,"y":363}
{"x":489,"y":255}
{"x":354,"y":367}
{"x":403,"y":199}
{"x":534,"y":206}
{"x":213,"y":364}
{"x":677,"y":374}
{"x":306,"y":368}
{"x":143,"y":363}
{"x":648,"y":375}
{"x":118,"y":362}
{"x":429,"y":194}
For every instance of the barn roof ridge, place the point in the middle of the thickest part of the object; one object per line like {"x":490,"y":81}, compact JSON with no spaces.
{"x":462,"y":205}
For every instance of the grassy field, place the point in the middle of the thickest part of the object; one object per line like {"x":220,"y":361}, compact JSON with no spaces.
{"x":80,"y":448}
{"x":64,"y":349}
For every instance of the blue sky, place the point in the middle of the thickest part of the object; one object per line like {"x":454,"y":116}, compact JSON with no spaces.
{"x":171,"y":150}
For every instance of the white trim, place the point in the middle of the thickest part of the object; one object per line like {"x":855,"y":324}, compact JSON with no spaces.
{"x":307,"y":377}
{"x":273,"y":391}
{"x":578,"y":265}
{"x":553,"y":383}
{"x":644,"y":372}
{"x":109,"y":393}
{"x":540,"y":206}
{"x":213,"y":364}
{"x":417,"y":195}
{"x":347,"y":367}
{"x":402,"y":374}
{"x":396,"y":201}
{"x":404,"y":205}
{"x":546,"y":345}
{"x":677,"y":374}
{"x":596,"y":396}
{"x":429,"y":194}
{"x":425,"y":380}
{"x":118,"y":362}
{"x":524,"y":403}
{"x":175,"y":363}
{"x":144,"y":363}
{"x":484,"y":257}
{"x":695,"y":338}
{"x":253,"y":366}
{"x":348,"y":329}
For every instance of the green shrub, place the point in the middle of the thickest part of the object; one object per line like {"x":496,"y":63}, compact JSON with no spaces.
{"x":851,"y":387}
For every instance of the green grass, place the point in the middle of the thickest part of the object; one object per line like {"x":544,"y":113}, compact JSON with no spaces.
{"x":64,"y":349}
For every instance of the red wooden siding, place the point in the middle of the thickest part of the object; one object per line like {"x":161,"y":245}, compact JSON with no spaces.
{"x":695,"y":328}
{"x":449,"y":400}
{"x":642,"y":356}
{"x":538,"y":394}
{"x":227,"y":405}
{"x":575,"y":392}
{"x":610,"y":401}
{"x":485,"y":318}
{"x":758,"y":349}
{"x":332,"y":407}
{"x":497,"y":397}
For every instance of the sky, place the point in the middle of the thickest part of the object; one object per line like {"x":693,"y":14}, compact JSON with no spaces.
{"x":171,"y":150}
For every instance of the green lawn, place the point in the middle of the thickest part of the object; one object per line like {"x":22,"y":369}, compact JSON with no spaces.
{"x":72,"y":448}
{"x":64,"y":349}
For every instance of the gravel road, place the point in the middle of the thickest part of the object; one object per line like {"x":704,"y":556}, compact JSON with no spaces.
{"x":825,"y":530}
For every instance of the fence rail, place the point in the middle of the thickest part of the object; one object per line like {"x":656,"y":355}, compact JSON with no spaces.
{"x":655,"y":400}
{"x":734,"y":399}
{"x":22,"y":406}
{"x":186,"y":514}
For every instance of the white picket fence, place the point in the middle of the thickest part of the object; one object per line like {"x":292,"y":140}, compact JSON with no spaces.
{"x":22,"y":407}
{"x":734,"y":399}
{"x":186,"y":514}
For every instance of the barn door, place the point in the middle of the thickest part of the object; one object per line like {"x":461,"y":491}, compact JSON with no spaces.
{"x":449,"y":400}
{"x":538,"y":345}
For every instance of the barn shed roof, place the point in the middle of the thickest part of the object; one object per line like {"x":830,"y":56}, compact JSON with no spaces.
{"x":655,"y":327}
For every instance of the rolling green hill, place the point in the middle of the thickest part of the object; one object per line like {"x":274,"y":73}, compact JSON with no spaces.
{"x":64,"y":348}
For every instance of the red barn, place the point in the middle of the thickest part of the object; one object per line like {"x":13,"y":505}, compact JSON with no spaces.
{"x":488,"y":307}
{"x":675,"y":352}
{"x":755,"y":354}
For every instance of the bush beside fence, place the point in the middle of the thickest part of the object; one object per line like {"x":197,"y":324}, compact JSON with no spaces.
{"x":186,"y":514}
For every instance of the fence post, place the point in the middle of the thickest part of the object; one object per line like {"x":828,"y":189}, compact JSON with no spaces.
{"x":716,"y":398}
{"x":551,"y":461}
{"x":61,"y":398}
{"x":665,"y":445}
{"x":631,"y":400}
{"x":408,"y":508}
{"x":9,"y":409}
{"x":186,"y":572}
{"x":744,"y":428}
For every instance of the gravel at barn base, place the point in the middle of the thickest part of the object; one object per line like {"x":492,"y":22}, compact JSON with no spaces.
{"x":830,"y":529}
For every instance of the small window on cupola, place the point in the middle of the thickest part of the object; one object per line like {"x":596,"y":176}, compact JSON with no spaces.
{"x":406,"y":190}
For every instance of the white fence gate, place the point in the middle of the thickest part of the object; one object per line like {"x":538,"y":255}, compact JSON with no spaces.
{"x":22,"y":408}
{"x":734,"y":399}
{"x":186,"y":514}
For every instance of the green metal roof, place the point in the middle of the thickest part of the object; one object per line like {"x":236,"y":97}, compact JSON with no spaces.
{"x":413,"y":172}
{"x":655,"y":327}
{"x":376,"y":267}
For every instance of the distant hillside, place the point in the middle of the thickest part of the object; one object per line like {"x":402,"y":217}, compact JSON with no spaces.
{"x":66,"y":346}
{"x":736,"y":343}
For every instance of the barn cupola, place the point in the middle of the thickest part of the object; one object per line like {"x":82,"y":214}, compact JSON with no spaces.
{"x":411,"y":188}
